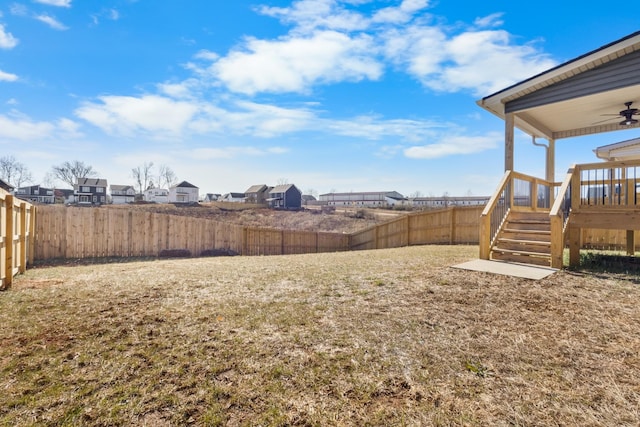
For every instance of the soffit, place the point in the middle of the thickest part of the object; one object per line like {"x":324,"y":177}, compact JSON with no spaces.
{"x":576,"y":116}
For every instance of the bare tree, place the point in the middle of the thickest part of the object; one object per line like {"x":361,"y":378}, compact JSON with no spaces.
{"x":142,"y":175}
{"x":69,"y":172}
{"x":166,"y":177}
{"x":283,"y":181}
{"x":14,"y":172}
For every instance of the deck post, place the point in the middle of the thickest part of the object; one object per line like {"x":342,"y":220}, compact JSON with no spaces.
{"x":631,"y":242}
{"x":550,"y":169}
{"x":575,"y":241}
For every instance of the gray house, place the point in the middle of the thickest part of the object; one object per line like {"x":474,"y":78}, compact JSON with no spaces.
{"x":90,"y":191}
{"x":36,"y":194}
{"x":257,"y":194}
{"x":285,"y":197}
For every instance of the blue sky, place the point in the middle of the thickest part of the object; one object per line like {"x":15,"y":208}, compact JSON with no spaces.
{"x":330,"y":95}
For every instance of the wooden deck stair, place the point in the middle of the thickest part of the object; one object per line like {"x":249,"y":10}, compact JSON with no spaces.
{"x":525,"y":238}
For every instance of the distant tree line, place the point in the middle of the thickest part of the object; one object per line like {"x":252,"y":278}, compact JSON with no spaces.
{"x":17,"y":174}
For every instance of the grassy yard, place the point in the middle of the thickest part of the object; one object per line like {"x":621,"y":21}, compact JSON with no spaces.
{"x":389,"y":337}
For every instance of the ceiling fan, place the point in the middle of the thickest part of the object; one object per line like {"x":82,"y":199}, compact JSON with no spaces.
{"x":627,"y":114}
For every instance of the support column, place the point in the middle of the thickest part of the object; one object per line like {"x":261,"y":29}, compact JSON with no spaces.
{"x":550,"y":168}
{"x":509,"y":124}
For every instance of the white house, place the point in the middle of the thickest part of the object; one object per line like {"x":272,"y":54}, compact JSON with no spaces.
{"x":234,"y":198}
{"x":121,"y":194}
{"x":156,"y":195}
{"x":184,"y":192}
{"x":371,"y":199}
{"x":445,"y":201}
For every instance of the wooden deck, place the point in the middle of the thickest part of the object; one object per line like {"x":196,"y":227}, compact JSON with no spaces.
{"x":532,"y":220}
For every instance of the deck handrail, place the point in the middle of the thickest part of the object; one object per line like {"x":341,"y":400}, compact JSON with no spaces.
{"x":559,"y":218}
{"x":516,"y":191}
{"x":489,"y":219}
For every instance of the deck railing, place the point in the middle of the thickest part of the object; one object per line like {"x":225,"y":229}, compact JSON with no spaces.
{"x":559,"y":218}
{"x":516,"y":191}
{"x":609,"y":185}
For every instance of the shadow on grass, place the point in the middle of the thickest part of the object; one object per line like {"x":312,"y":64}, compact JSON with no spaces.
{"x":74,"y":262}
{"x":164,"y":254}
{"x":609,"y":265}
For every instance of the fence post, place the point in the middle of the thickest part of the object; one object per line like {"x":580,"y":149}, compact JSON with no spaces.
{"x":32,"y":234}
{"x":8,"y":247}
{"x":408,"y":225}
{"x":452,"y":225}
{"x":243,"y":249}
{"x":23,"y":241}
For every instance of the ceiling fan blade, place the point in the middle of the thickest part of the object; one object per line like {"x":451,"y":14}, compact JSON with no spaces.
{"x":607,"y":120}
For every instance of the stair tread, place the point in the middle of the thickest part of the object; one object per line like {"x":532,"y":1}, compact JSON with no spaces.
{"x":513,"y":251}
{"x":528,"y":221}
{"x":515,"y":230}
{"x":527,"y":242}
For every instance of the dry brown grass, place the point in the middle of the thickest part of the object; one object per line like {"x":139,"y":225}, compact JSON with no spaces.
{"x":390,"y":337}
{"x":345,"y":220}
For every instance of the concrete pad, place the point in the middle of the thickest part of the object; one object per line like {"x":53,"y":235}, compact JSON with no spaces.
{"x":524,"y":271}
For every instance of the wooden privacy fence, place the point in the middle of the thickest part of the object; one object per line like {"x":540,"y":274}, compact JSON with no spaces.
{"x":72,"y":232}
{"x":17,"y":220}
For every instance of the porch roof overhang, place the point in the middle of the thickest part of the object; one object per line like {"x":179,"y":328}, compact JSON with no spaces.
{"x":580,"y":97}
{"x":624,"y":150}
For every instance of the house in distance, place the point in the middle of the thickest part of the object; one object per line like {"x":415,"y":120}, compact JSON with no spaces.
{"x":90,"y":191}
{"x":184,"y":192}
{"x":285,"y":196}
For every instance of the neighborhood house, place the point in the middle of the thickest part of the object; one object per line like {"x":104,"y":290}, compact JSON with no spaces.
{"x":121,"y":194}
{"x":36,"y":194}
{"x":156,"y":195}
{"x":285,"y":197}
{"x":183,"y":193}
{"x":90,"y":191}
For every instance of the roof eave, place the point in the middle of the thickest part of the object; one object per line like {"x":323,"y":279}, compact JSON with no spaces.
{"x":495,"y":102}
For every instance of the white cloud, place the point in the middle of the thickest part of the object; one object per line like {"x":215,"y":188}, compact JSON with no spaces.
{"x":454,"y":145}
{"x":7,"y":77}
{"x":310,"y":15}
{"x":401,"y":14}
{"x":52,"y":22}
{"x":294,"y":64}
{"x":467,"y":62}
{"x":250,"y":118}
{"x":58,"y":3}
{"x":126,"y":115}
{"x":419,"y":49}
{"x":24,"y":129}
{"x":206,"y":55}
{"x":7,"y":40}
{"x":493,"y":20}
{"x":210,"y":153}
{"x":18,"y":9}
{"x":374,"y":128}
